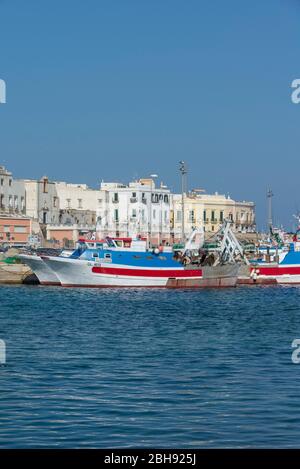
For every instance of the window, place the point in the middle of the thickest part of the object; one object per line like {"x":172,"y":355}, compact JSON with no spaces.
{"x":99,"y":201}
{"x":22,"y":203}
{"x":154,"y":214}
{"x":134,"y":213}
{"x":2,"y":182}
{"x":10,"y":201}
{"x":213,"y":215}
{"x":68,"y":203}
{"x":20,"y":229}
{"x":191,"y":216}
{"x":6,"y":228}
{"x":95,"y":254}
{"x":221,"y":216}
{"x":116,"y":215}
{"x":2,"y":200}
{"x":166,"y":216}
{"x":212,"y":228}
{"x":45,"y":185}
{"x":79,"y":203}
{"x":10,"y":182}
{"x":166,"y":199}
{"x":107,"y":256}
{"x":178,"y":215}
{"x":44,"y":217}
{"x":133,"y":198}
{"x":54,"y":201}
{"x":204,"y":215}
{"x":116,"y":197}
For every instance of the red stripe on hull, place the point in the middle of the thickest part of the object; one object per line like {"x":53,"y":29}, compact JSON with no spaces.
{"x":56,"y":284}
{"x":277,"y":271}
{"x":147,"y":273}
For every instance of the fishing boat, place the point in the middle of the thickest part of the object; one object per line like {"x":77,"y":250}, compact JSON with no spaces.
{"x":285,"y":269}
{"x":43,"y":272}
{"x":114,"y":266}
{"x":282,"y":265}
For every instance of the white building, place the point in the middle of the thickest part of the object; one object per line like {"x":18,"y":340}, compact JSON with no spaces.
{"x":12,"y":193}
{"x":138,"y":208}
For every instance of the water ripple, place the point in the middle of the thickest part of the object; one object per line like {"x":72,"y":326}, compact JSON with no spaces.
{"x":145,"y":368}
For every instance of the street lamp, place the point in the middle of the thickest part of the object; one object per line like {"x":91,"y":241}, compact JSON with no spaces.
{"x":183,"y":171}
{"x":152,"y":176}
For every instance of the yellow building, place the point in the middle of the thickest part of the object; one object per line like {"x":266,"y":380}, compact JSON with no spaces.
{"x":210,"y":210}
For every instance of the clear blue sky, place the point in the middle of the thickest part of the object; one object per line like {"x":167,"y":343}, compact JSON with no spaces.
{"x":117,"y":89}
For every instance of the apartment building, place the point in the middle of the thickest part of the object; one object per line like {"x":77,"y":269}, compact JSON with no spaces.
{"x":139,"y":208}
{"x":15,"y":227}
{"x":12,"y":193}
{"x":210,"y":210}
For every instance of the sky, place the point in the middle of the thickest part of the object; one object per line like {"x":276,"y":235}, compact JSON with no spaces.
{"x":121,"y":89}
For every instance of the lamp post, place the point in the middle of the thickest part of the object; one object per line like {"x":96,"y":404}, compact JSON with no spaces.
{"x":152,"y":176}
{"x":270,"y":215}
{"x":183,"y":171}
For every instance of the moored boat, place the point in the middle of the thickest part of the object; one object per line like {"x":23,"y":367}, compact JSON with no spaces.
{"x":283,"y":267}
{"x":112,"y":266}
{"x":43,"y":272}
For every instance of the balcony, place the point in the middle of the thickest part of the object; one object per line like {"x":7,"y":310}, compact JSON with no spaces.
{"x":115,"y":201}
{"x":144,"y":200}
{"x":133,"y":200}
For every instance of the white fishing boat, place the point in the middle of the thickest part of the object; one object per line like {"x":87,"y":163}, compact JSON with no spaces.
{"x":126,"y":267}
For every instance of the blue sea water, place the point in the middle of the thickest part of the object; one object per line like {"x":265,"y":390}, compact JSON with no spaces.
{"x":145,"y":368}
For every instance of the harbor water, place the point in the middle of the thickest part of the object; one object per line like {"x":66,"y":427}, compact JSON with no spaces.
{"x":149,"y":368}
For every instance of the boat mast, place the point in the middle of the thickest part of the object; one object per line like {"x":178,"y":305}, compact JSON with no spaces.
{"x":183,"y":170}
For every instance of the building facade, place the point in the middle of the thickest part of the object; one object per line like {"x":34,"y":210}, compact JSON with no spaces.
{"x":15,"y":227}
{"x":210,"y":210}
{"x":65,"y":211}
{"x":138,"y":208}
{"x":12,"y":193}
{"x":62,"y":212}
{"x":41,"y":200}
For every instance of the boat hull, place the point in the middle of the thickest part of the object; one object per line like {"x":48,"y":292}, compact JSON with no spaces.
{"x":221,"y":276}
{"x":43,"y":272}
{"x":276,"y":273}
{"x":245,"y":277}
{"x":79,"y":273}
